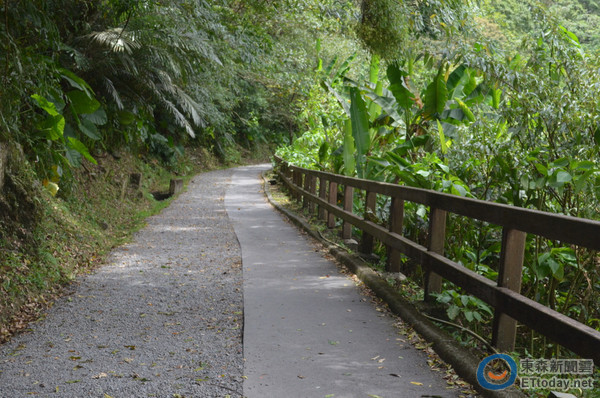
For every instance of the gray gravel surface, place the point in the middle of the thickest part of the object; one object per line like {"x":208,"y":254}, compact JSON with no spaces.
{"x":162,"y":319}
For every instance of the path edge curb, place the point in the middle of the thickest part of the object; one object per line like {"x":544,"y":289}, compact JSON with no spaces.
{"x":462,"y":360}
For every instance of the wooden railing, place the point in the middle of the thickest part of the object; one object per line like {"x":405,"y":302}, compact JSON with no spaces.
{"x":504,"y":294}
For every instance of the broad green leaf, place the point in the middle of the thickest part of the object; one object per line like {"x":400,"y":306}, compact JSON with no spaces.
{"x":496,"y":97}
{"x":73,"y":156}
{"x":566,"y":253}
{"x":323,"y":152}
{"x":360,"y":128}
{"x":126,"y":117}
{"x":556,"y":268}
{"x":54,"y":126}
{"x":397,"y":159}
{"x":82,"y":102}
{"x":443,"y":167}
{"x":471,"y":85}
{"x":456,"y":113}
{"x":458,"y":81}
{"x":374,"y":69}
{"x":348,"y":154}
{"x":46,"y":105}
{"x":89,"y":129}
{"x":563,"y":177}
{"x":450,"y":130}
{"x":466,"y":110}
{"x":388,"y":104}
{"x":453,"y":312}
{"x":374,"y":107}
{"x":400,"y":91}
{"x":458,"y":190}
{"x":583,"y":165}
{"x":571,"y":36}
{"x":436,"y":96}
{"x":479,"y":94}
{"x":464,"y":300}
{"x":469,"y":316}
{"x":76,"y":82}
{"x":74,"y":143}
{"x":99,"y":118}
{"x":541,"y":169}
{"x":582,"y":180}
{"x":560,"y":162}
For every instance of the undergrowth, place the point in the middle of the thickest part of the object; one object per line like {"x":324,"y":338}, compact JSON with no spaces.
{"x":72,"y":232}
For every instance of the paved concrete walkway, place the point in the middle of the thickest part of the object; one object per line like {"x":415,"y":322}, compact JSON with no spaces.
{"x":308,"y":332}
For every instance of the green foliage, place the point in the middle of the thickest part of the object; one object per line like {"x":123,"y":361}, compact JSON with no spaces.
{"x":383,"y":26}
{"x":506,"y":116}
{"x":464,"y":307}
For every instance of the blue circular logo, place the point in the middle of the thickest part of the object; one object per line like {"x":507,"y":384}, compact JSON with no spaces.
{"x":492,"y":379}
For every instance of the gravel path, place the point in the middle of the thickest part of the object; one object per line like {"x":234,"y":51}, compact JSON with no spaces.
{"x":162,"y":319}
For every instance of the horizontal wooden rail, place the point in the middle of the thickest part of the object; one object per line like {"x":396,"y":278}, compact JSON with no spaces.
{"x":577,"y":231}
{"x":579,"y":338}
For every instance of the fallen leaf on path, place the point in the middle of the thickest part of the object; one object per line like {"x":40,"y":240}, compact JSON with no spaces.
{"x":416,"y":383}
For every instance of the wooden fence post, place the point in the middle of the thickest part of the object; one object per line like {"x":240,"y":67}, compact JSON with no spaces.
{"x":312,"y":188}
{"x":322,"y":195}
{"x":510,"y":273}
{"x":348,"y":204}
{"x":394,"y":263}
{"x":366,"y":243}
{"x":333,"y":190}
{"x":437,"y":236}
{"x":293,"y":182}
{"x":295,"y":177}
{"x":394,"y":257}
{"x":286,"y":170}
{"x":306,"y":187}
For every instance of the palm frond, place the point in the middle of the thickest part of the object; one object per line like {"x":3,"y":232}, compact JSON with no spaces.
{"x":180,"y":119}
{"x":113,"y":93}
{"x":115,"y":39}
{"x":191,"y":107}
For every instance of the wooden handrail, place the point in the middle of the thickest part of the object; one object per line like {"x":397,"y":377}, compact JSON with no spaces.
{"x":504,"y":296}
{"x":577,"y":231}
